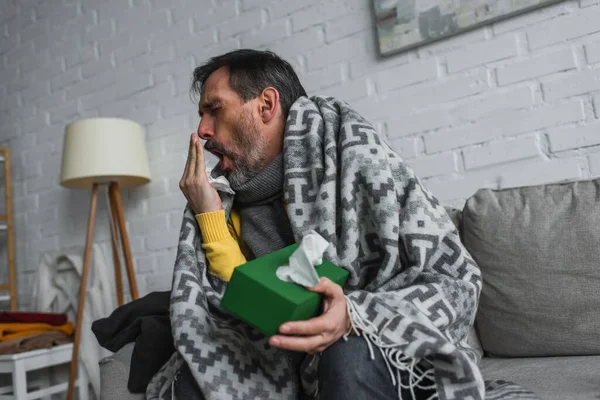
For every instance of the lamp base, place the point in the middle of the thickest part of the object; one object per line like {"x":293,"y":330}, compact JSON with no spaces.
{"x":117,"y":231}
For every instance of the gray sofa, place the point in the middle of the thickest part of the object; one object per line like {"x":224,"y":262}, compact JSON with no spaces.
{"x":538,"y":322}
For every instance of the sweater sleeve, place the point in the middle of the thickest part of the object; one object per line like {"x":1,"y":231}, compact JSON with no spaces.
{"x":222,"y":250}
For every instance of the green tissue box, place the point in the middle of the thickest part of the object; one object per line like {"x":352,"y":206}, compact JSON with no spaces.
{"x":258,"y":297}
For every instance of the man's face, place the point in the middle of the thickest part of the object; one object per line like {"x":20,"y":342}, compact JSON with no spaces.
{"x":231,"y":129}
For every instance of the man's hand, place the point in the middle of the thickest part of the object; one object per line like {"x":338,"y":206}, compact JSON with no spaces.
{"x":200,"y":194}
{"x":316,"y":334}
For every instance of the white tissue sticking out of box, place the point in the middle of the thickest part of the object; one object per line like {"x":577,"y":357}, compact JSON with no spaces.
{"x":302,"y":262}
{"x":220,"y":183}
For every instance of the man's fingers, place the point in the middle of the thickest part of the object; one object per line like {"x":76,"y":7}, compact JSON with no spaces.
{"x":328,"y":288}
{"x":191,"y":168}
{"x":200,"y":161}
{"x":316,"y":333}
{"x":187,"y":161}
{"x":313,"y":326}
{"x":307,"y":344}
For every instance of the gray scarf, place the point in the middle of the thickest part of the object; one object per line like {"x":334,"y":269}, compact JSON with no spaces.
{"x":265,"y":224}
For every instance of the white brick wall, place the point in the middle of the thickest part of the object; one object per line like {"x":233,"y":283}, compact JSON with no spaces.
{"x":513,"y":103}
{"x":482,"y":53}
{"x":501,"y":152}
{"x":537,"y":66}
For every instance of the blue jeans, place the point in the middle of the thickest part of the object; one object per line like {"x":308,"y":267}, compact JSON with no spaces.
{"x":346,"y":372}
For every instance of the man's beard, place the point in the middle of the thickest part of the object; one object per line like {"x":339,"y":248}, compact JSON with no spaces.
{"x":248,"y":156}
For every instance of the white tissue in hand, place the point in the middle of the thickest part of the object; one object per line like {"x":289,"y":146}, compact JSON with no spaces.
{"x":220,"y":183}
{"x":302,"y":262}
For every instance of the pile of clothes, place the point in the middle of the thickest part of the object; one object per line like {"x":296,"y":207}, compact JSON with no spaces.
{"x":26,"y":331}
{"x":146,"y":323}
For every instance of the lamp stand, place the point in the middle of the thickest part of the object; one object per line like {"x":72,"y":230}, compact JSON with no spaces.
{"x":117,"y":226}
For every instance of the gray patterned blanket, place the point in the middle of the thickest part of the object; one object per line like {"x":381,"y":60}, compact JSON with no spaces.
{"x":412,"y":292}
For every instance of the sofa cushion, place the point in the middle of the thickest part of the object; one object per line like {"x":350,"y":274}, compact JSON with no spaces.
{"x":551,"y":378}
{"x":114,"y":374}
{"x":539,"y":252}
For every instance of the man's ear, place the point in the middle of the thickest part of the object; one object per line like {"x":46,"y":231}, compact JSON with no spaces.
{"x":269,"y":104}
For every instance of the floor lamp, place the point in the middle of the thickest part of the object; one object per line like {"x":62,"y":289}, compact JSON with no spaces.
{"x":102,"y":152}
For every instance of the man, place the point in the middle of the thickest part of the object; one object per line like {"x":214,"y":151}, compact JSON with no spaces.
{"x":244,"y":149}
{"x":245,"y":132}
{"x":396,"y":329}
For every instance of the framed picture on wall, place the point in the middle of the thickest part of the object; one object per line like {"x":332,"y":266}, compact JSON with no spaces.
{"x":404,"y":24}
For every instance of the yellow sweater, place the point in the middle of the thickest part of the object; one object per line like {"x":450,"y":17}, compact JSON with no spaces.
{"x":222,"y":242}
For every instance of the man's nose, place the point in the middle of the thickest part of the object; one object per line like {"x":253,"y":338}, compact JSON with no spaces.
{"x":205,"y":130}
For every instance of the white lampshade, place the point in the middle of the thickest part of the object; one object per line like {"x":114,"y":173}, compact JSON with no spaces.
{"x":102,"y":150}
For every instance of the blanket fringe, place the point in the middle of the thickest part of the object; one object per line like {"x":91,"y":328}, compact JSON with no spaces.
{"x":395,"y":361}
